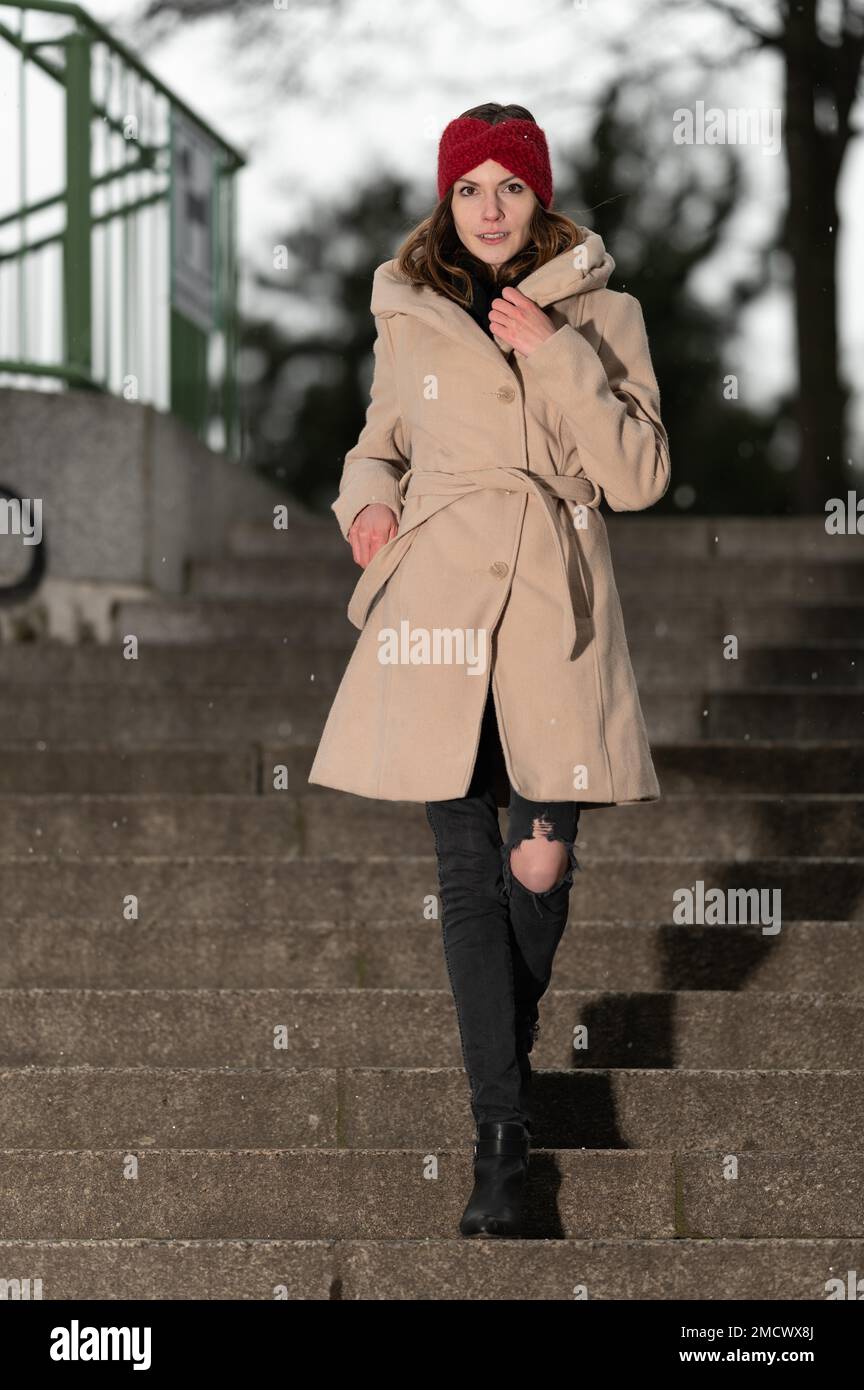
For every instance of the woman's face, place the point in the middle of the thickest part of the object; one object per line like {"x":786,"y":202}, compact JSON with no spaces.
{"x":489,"y":199}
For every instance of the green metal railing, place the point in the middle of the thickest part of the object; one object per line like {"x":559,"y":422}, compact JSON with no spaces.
{"x":118,"y":259}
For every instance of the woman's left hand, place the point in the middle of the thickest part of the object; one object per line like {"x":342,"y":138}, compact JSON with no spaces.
{"x":519,"y":321}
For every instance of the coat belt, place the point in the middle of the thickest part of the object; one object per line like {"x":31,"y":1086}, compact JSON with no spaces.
{"x":547,"y":487}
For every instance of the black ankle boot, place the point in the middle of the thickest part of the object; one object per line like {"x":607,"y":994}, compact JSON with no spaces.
{"x":500,"y":1169}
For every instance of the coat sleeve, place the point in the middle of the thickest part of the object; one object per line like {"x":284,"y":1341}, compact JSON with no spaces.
{"x":611,"y":401}
{"x":372,"y":469}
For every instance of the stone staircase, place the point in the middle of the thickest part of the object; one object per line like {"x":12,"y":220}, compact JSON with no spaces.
{"x":229,"y":1057}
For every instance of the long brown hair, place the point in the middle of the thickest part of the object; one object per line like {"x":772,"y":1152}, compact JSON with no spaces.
{"x":432,"y":251}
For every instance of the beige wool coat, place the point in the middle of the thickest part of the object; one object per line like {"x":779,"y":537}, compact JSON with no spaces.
{"x":495,"y":463}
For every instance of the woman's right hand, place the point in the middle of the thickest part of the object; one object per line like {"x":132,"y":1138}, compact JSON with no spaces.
{"x":370,"y":529}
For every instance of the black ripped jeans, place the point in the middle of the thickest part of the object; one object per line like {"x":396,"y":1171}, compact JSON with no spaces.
{"x":500,"y":937}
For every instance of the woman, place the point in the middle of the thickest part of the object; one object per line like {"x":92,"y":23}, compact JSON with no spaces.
{"x":512,"y":392}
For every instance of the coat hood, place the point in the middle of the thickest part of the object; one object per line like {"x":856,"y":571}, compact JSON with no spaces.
{"x":587,"y":266}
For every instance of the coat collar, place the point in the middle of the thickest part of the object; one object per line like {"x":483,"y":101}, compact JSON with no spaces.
{"x":573,"y":272}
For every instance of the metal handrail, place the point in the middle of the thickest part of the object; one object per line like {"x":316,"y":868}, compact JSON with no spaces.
{"x":85,"y":20}
{"x":136,"y":331}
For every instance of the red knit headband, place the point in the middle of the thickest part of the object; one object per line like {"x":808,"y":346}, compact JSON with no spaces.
{"x":517,"y":144}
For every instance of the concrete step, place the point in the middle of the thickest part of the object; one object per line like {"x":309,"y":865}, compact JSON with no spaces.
{"x":324,"y":576}
{"x":61,"y":951}
{"x":416,"y":1028}
{"x":321,"y":1109}
{"x":738,"y":828}
{"x":402,"y":887}
{"x":705,"y":767}
{"x":793,"y":714}
{"x":307,"y":537}
{"x":193,"y":621}
{"x":283,"y":1194}
{"x":713,"y":766}
{"x":661,"y":663}
{"x":315,"y":623}
{"x":635,"y":534}
{"x":837,"y":665}
{"x":647,"y":616}
{"x":735,"y":578}
{"x":730,"y":537}
{"x":161,"y":713}
{"x":40,"y":767}
{"x":262,"y":664}
{"x":448,"y":1269}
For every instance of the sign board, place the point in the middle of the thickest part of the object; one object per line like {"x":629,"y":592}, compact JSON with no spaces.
{"x":193,"y":232}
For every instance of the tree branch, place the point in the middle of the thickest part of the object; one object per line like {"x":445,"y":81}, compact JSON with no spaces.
{"x":730,"y":11}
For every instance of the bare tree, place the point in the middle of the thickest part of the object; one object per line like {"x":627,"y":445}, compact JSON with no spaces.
{"x":821,"y":47}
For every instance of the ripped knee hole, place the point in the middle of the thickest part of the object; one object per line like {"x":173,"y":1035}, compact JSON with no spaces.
{"x":542,"y":869}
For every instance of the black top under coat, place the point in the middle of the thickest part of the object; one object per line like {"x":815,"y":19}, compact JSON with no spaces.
{"x":484,"y":290}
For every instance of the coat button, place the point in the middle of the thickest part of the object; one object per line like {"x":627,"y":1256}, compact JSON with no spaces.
{"x":505,"y":393}
{"x":499,"y":568}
